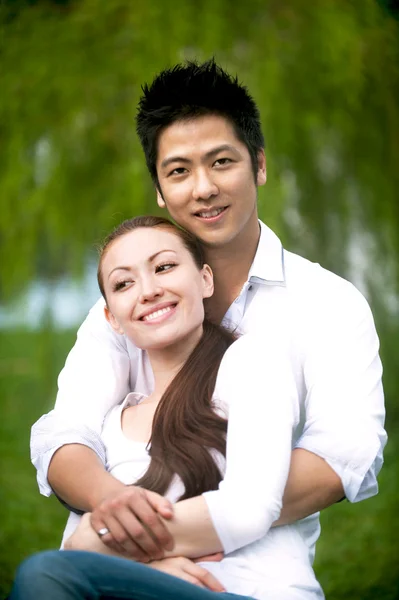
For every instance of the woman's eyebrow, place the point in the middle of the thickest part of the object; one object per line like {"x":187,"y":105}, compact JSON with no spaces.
{"x":150,"y":259}
{"x":121,"y":268}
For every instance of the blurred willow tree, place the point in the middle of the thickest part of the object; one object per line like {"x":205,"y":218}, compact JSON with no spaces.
{"x":325,"y":75}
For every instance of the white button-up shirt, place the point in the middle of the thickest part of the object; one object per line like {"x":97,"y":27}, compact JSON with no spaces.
{"x":333,"y":353}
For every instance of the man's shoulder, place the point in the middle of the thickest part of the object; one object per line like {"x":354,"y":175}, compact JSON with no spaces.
{"x":303,"y":275}
{"x":320,"y":291}
{"x":302,"y":278}
{"x":96,"y":329}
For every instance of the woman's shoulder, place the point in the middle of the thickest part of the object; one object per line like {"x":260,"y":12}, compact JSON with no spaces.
{"x":112,"y":420}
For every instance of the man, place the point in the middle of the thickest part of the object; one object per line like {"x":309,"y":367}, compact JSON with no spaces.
{"x":201,"y":135}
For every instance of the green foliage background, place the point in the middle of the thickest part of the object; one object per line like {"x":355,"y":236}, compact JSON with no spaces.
{"x":326,"y":77}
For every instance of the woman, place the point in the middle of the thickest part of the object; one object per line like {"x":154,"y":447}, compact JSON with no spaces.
{"x":173,"y":442}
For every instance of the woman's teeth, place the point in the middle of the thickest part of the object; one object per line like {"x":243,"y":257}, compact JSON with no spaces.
{"x":157,"y":313}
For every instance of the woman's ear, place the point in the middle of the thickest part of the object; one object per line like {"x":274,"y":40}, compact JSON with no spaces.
{"x":112,"y":321}
{"x":207,"y":281}
{"x":160,"y":201}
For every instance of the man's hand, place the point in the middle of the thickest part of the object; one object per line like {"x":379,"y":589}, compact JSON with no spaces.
{"x":186,"y":569}
{"x":134,"y":523}
{"x":85,"y":538}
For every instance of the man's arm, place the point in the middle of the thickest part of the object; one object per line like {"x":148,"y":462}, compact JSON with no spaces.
{"x":344,"y":432}
{"x":340,"y":452}
{"x":77,"y":475}
{"x":95,"y":378}
{"x":312,"y":485}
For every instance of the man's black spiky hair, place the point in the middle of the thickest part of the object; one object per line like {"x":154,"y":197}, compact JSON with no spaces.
{"x":192,"y":90}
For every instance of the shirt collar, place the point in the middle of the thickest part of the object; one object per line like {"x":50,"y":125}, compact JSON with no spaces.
{"x":268,"y":264}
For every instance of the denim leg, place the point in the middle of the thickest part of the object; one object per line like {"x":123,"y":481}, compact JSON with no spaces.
{"x":48,"y":575}
{"x":74,"y":575}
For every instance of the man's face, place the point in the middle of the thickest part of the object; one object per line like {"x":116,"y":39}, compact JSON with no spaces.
{"x":206,"y":178}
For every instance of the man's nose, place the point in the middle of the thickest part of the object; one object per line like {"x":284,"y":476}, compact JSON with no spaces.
{"x":204,"y":185}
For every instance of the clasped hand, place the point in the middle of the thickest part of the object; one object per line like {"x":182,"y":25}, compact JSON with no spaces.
{"x":134,"y":519}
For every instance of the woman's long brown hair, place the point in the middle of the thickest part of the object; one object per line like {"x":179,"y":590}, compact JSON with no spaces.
{"x":185,"y":426}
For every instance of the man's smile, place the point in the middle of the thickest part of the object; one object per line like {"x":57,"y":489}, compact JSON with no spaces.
{"x":211,"y":214}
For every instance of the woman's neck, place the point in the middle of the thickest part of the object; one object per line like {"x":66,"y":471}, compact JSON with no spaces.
{"x":167,"y":362}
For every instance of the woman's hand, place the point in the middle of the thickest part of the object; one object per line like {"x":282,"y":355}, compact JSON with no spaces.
{"x":186,"y":569}
{"x":134,"y":522}
{"x":85,"y":538}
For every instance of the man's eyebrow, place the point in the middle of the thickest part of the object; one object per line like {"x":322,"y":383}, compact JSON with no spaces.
{"x":167,"y":161}
{"x":222,"y":148}
{"x":150,"y":259}
{"x":181,"y":159}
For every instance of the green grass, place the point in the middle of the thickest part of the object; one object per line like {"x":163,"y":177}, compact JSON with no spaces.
{"x":357,"y":556}
{"x":28,"y":370}
{"x":358,"y":552}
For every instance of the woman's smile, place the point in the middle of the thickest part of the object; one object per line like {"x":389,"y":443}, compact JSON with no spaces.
{"x":154,"y":289}
{"x":159,"y":313}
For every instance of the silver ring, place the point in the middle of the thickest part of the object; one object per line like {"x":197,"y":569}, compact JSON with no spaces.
{"x":103,"y":531}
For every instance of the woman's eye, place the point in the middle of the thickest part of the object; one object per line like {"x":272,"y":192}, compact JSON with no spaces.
{"x":164,"y":267}
{"x":121,"y":285}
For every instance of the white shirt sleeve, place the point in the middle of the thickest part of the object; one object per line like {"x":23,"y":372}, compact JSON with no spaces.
{"x":345,"y":401}
{"x":95,"y":378}
{"x":256,"y":381}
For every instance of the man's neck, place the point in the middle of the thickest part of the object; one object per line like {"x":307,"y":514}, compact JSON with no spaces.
{"x":230,"y":266}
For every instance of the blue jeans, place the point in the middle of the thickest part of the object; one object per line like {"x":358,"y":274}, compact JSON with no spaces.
{"x":74,"y":575}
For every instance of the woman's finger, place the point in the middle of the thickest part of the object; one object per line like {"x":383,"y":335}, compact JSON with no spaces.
{"x":204,"y":577}
{"x":216,"y":557}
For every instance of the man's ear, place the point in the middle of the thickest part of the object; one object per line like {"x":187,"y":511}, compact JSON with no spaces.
{"x":160,"y":201}
{"x":261,"y":175}
{"x":207,"y":282}
{"x":112,"y":321}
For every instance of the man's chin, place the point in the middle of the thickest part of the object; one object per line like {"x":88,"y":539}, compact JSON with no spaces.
{"x":214,"y":241}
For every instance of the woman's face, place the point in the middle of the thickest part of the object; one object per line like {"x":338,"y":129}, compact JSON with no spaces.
{"x":154,"y":289}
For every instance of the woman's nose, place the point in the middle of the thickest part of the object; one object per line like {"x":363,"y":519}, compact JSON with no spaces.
{"x":150,"y":289}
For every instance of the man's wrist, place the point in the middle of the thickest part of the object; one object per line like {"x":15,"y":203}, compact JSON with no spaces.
{"x":107,"y":489}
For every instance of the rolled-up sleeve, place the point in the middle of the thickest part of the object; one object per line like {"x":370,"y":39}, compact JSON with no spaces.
{"x":345,"y":402}
{"x":255,"y":380}
{"x":95,"y":378}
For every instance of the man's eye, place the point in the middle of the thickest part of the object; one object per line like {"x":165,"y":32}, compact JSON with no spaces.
{"x":222,"y":161}
{"x":178,"y":171}
{"x":121,"y":285}
{"x":164,"y":267}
